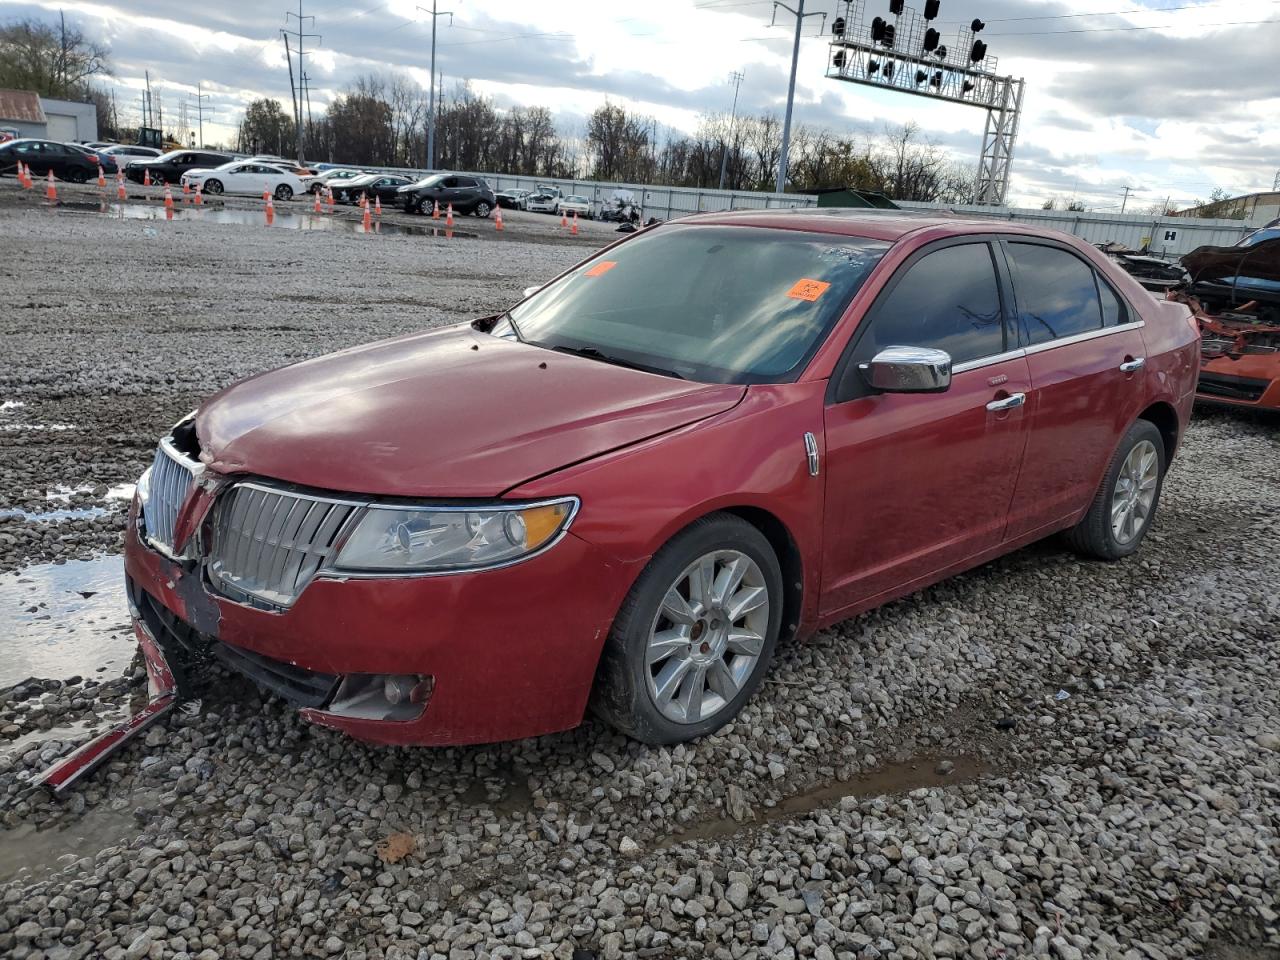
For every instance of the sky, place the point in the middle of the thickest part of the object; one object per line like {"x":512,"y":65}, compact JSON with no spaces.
{"x":1168,"y":98}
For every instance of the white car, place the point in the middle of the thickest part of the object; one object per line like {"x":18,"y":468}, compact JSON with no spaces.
{"x":543,"y":201}
{"x":333,"y":177}
{"x":245,"y":177}
{"x":575,"y":204}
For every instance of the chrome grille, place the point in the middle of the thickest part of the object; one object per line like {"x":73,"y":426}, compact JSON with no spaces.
{"x":269,"y":543}
{"x":172,"y":475}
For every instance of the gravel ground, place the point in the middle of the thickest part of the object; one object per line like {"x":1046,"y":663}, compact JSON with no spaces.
{"x":1043,"y":757}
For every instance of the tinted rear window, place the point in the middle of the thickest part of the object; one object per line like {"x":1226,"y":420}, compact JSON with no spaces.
{"x":1056,"y":292}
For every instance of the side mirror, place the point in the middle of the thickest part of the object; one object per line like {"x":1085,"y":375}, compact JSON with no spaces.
{"x":908,"y":370}
{"x":530,"y":291}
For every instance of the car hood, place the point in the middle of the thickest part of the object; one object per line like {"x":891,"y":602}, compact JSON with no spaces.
{"x":449,"y":413}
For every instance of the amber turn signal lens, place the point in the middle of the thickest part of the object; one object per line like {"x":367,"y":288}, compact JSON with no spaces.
{"x":542,"y":523}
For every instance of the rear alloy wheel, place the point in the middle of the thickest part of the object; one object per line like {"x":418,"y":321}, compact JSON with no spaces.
{"x":695,"y":635}
{"x":212,"y":186}
{"x":284,"y":192}
{"x":1125,"y":504}
{"x":77,"y":176}
{"x":482,"y":209}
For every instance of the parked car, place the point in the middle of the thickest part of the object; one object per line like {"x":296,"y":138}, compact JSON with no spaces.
{"x":576,"y":204}
{"x":511,"y":199}
{"x":117,"y":157}
{"x":66,"y":162}
{"x":297,"y":169}
{"x":467,"y":194}
{"x":543,"y":200}
{"x":245,"y":177}
{"x":383,"y":186}
{"x":169,"y":167}
{"x":860,"y":406}
{"x":331,"y":177}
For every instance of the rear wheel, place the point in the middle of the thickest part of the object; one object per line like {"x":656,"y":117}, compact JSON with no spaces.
{"x":212,"y":186}
{"x":1125,"y":504}
{"x":482,"y":209}
{"x":695,"y":635}
{"x":77,"y":175}
{"x":284,"y":192}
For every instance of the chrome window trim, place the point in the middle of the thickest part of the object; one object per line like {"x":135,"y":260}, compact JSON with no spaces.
{"x":1047,"y":345}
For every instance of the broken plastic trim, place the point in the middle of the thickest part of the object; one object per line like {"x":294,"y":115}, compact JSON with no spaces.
{"x":64,"y":774}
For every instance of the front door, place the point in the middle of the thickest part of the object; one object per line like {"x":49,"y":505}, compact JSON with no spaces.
{"x":1086,"y":357}
{"x":918,"y":482}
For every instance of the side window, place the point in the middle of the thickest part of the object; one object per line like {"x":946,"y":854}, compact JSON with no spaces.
{"x":947,"y":300}
{"x":1113,"y":308}
{"x":1056,"y":292}
{"x":450,"y":182}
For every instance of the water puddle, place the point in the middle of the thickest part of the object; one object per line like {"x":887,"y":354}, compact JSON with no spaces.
{"x":52,"y":516}
{"x":32,"y":854}
{"x":74,"y":731}
{"x":64,"y":620}
{"x":895,"y":778}
{"x":256,"y":218}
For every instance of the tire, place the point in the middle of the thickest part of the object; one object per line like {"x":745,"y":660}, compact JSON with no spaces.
{"x":1109,"y":530}
{"x":722,"y":672}
{"x":77,"y":176}
{"x":212,"y":186}
{"x":284,"y":192}
{"x":482,"y":209}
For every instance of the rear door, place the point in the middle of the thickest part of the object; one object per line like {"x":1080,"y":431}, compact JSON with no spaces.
{"x":1086,"y":359}
{"x":918,"y":482}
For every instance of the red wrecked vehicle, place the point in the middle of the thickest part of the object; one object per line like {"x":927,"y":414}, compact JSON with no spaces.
{"x":1234,"y":293}
{"x":718,"y":434}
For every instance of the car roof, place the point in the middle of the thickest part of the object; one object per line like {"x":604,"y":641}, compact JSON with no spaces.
{"x":890,"y":225}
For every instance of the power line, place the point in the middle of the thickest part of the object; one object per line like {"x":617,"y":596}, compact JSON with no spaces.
{"x":1108,"y":13}
{"x":1159,"y":26}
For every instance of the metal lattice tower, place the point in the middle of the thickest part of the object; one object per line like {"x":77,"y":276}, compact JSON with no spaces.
{"x":899,"y":61}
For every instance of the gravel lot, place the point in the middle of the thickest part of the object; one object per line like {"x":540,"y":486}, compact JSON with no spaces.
{"x":1044,"y":757}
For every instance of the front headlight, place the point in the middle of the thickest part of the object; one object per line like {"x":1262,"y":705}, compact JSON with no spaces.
{"x":424,"y":539}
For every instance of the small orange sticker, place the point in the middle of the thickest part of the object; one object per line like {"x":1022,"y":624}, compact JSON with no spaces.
{"x":604,"y":266}
{"x":807,"y":290}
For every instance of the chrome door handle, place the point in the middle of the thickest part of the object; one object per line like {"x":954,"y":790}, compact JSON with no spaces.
{"x":1008,"y":403}
{"x":1129,"y":366}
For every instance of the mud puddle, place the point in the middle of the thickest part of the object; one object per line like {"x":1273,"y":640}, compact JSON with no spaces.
{"x":257,"y":218}
{"x":32,"y":854}
{"x":64,"y":620}
{"x":506,"y":792}
{"x":895,"y":778}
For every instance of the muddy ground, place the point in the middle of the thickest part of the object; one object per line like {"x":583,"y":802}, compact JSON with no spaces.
{"x":1043,"y":757}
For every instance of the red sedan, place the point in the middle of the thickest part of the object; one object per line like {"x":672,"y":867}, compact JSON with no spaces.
{"x":719,"y":434}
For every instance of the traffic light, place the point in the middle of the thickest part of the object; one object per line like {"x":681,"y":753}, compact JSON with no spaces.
{"x":979,"y":51}
{"x":896,"y":6}
{"x":931,"y":38}
{"x":931,"y":9}
{"x":877,"y":30}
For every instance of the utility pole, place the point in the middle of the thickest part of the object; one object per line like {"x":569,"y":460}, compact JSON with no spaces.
{"x":1125,"y":201}
{"x":736,"y":79}
{"x":200,"y":98}
{"x":62,"y":64}
{"x":1275,"y":184}
{"x":431,"y":97}
{"x":300,"y":34}
{"x":799,"y":14}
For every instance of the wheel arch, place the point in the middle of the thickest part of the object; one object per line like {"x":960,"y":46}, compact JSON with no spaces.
{"x":1165,"y":419}
{"x":789,"y":559}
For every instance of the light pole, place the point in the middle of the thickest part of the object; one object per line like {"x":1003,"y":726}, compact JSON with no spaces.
{"x":799,"y":14}
{"x":431,"y":97}
{"x":736,"y":77}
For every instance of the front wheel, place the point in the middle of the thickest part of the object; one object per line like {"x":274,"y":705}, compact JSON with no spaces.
{"x":212,"y":186}
{"x":284,"y":192}
{"x":694,"y":636}
{"x":482,"y":209}
{"x":1125,"y":504}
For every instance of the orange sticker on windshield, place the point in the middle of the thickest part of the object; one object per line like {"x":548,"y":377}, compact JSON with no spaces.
{"x":807,"y":290}
{"x":604,"y":266}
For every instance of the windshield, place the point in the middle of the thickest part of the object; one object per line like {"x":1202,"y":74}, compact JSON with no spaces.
{"x":428,"y":181}
{"x":1258,"y":236}
{"x":717,"y":304}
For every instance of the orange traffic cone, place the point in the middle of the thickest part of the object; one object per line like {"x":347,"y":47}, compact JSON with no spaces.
{"x":186,"y":191}
{"x":146,"y":177}
{"x":199,"y":201}
{"x":575,"y":223}
{"x":168,"y":198}
{"x":51,"y":192}
{"x":448,"y":220}
{"x":367,"y":220}
{"x":564,"y":220}
{"x":329,"y":197}
{"x":377,"y":205}
{"x":497,"y":221}
{"x":435,"y":211}
{"x":271,"y":210}
{"x":120,"y":194}
{"x":266,"y":195}
{"x":102,"y":178}
{"x":22,"y":175}
{"x":316,"y":206}
{"x":168,"y":213}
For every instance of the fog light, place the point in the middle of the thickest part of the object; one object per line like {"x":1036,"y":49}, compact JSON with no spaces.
{"x":382,"y":696}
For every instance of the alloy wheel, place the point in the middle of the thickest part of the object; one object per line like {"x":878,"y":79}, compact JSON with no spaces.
{"x":708,"y":636}
{"x":1135,"y":492}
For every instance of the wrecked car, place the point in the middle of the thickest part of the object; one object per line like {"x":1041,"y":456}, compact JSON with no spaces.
{"x":1234,"y":293}
{"x":715,"y":435}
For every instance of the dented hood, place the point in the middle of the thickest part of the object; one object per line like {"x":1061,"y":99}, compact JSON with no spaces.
{"x":1260,"y":261}
{"x":450,"y":413}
